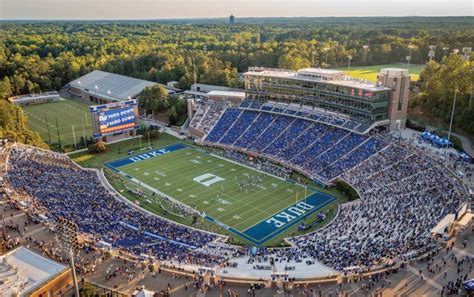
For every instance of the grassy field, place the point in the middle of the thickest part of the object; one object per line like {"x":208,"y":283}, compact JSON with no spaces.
{"x":69,"y":113}
{"x":174,"y":172}
{"x":216,"y":187}
{"x":119,"y":150}
{"x":370,"y":72}
{"x":179,"y":176}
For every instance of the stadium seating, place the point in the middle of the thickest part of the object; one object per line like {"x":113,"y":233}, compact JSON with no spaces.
{"x":225,"y":122}
{"x":207,"y":115}
{"x":319,"y":149}
{"x":84,"y":200}
{"x":307,"y":112}
{"x":404,"y":194}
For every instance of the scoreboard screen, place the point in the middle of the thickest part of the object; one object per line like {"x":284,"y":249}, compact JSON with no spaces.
{"x":114,"y":118}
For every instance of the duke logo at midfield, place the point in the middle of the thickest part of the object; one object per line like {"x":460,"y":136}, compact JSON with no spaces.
{"x":290,"y":214}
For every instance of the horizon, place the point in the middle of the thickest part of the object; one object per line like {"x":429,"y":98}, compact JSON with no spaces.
{"x":86,"y":10}
{"x":225,"y":18}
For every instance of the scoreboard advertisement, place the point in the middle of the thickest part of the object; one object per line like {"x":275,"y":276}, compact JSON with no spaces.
{"x":114,"y":118}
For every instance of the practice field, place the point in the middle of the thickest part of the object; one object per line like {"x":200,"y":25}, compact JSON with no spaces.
{"x":370,"y":72}
{"x":255,"y":206}
{"x":70,"y":114}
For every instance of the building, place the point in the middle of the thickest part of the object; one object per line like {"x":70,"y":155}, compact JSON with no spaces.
{"x":104,"y":87}
{"x":231,"y":19}
{"x":29,"y":99}
{"x":332,"y":90}
{"x":26,"y":273}
{"x":200,"y":91}
{"x":231,"y":96}
{"x":398,"y":81}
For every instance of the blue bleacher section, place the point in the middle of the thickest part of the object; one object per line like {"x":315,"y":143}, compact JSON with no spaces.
{"x":333,"y":119}
{"x":318,"y":149}
{"x":221,"y":127}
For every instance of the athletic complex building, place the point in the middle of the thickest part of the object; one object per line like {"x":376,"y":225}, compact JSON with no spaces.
{"x":104,"y":87}
{"x":262,"y":162}
{"x":384,"y":102}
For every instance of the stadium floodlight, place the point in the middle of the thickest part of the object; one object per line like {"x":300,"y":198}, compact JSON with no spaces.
{"x":349,"y":58}
{"x":431,"y":53}
{"x":452,"y":113}
{"x":313,"y":54}
{"x":410,"y":47}
{"x":366,"y":49}
{"x":466,"y":52}
{"x":108,"y":92}
{"x":326,"y":50}
{"x":67,"y":237}
{"x":445,"y":50}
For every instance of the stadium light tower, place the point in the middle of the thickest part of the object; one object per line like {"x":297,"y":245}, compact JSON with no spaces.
{"x":466,"y":53}
{"x":313,"y":54}
{"x":366,"y":49}
{"x":349,"y":58}
{"x":452,"y":113}
{"x":410,"y":47}
{"x":326,"y":50}
{"x":67,"y":236}
{"x":431,"y":53}
{"x":445,"y":50}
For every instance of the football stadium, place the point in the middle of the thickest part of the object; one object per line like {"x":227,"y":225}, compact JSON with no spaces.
{"x":310,"y":178}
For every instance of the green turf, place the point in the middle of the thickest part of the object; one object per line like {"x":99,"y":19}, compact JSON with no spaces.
{"x":119,"y":150}
{"x":69,"y":113}
{"x":173,"y":175}
{"x":370,"y":72}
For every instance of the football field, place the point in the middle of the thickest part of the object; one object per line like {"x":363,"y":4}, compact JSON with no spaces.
{"x":70,"y":114}
{"x":371,"y":72}
{"x":248,"y":203}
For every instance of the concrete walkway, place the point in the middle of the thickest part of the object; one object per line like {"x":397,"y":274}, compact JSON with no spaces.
{"x":466,"y":144}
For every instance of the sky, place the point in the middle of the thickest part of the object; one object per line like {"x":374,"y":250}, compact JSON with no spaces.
{"x":167,"y":9}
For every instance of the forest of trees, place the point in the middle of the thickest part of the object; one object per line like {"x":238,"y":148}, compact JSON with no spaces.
{"x":42,"y":56}
{"x":14,"y":126}
{"x":439,"y":82}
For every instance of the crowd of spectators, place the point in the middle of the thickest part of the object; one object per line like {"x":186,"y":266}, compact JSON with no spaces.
{"x":207,"y":115}
{"x":62,"y":189}
{"x":404,"y":194}
{"x":317,"y":149}
{"x":307,"y":112}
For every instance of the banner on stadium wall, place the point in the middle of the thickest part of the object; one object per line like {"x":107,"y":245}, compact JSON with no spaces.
{"x":114,"y":118}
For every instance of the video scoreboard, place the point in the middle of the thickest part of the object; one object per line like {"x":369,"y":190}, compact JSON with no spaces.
{"x":114,"y":118}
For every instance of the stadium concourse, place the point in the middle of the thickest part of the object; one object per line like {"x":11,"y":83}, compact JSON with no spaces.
{"x":404,"y":194}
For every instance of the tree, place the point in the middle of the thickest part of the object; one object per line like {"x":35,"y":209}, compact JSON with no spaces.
{"x":14,"y":126}
{"x":439,"y":82}
{"x":98,"y":147}
{"x":154,"y":99}
{"x":5,"y":88}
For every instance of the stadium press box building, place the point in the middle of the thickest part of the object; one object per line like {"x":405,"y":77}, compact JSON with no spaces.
{"x":381,"y":103}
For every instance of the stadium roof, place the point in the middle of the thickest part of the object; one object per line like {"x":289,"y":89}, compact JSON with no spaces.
{"x":205,"y":88}
{"x":112,"y":85}
{"x":226,"y":94}
{"x":334,"y":77}
{"x":24,"y":271}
